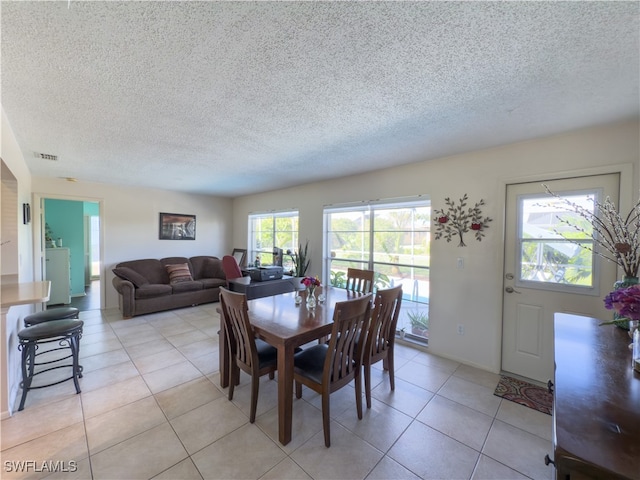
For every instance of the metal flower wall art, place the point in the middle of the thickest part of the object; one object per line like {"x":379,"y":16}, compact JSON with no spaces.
{"x":458,"y":219}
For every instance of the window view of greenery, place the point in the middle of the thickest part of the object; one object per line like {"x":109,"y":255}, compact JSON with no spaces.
{"x":547,"y":252}
{"x":391,"y":239}
{"x":271,"y":230}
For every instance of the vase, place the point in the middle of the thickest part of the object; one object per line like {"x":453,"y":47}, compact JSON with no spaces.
{"x":626,"y":282}
{"x":311,"y":298}
{"x":297,"y":283}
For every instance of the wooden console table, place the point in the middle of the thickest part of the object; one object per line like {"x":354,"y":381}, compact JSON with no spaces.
{"x":267,"y":288}
{"x":596,"y":411}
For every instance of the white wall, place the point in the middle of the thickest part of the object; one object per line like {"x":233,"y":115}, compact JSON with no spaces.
{"x":474,"y":294}
{"x":130,"y":223}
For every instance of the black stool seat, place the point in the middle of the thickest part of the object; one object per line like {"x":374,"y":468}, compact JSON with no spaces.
{"x":66,"y":333}
{"x":52,"y":314}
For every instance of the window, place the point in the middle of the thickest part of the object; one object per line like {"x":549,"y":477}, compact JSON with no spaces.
{"x":391,"y":238}
{"x":549,"y":258}
{"x":272,"y":230}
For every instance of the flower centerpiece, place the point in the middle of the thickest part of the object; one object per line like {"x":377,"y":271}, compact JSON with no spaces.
{"x":616,"y":238}
{"x":626,"y":303}
{"x":310,"y":284}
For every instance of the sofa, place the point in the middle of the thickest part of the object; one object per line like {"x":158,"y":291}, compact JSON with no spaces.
{"x":154,"y":285}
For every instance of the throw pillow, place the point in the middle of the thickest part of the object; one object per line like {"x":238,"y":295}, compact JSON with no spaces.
{"x":179,"y":273}
{"x":127,"y":273}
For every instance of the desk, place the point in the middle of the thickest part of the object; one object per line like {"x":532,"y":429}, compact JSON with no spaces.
{"x":280,"y":322}
{"x":596,"y":414}
{"x":253,"y":289}
{"x":13,"y":294}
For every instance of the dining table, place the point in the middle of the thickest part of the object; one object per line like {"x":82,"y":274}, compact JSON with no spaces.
{"x":286,"y":324}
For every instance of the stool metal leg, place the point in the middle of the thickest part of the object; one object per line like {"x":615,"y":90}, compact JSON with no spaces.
{"x":74,"y":344}
{"x":28,"y":364}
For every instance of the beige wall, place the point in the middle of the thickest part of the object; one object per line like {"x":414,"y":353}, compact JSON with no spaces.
{"x":130,"y":222}
{"x":482,"y":174}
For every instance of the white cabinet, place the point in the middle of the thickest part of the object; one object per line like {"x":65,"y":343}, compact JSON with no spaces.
{"x":58,"y":266}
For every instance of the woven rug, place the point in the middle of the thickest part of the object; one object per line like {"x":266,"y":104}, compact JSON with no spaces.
{"x":525,"y":393}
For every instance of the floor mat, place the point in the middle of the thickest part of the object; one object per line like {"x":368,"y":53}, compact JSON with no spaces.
{"x":525,"y":393}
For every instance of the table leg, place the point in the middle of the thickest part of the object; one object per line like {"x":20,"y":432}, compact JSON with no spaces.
{"x":285,"y":393}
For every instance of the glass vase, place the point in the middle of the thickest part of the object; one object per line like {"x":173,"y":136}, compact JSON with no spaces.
{"x":311,"y":298}
{"x":626,"y":282}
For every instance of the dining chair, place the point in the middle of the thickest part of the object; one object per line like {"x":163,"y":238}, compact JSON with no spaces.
{"x":381,"y":335}
{"x":325,"y":368}
{"x":231,"y":268}
{"x":254,"y":356}
{"x":360,"y":280}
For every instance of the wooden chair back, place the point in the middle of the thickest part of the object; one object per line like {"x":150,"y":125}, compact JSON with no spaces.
{"x":360,"y":280}
{"x":384,"y":320}
{"x":240,"y":335}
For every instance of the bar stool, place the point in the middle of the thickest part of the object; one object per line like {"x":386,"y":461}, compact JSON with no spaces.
{"x":52,"y":314}
{"x":67,"y":334}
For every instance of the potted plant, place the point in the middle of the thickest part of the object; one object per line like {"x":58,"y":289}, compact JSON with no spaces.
{"x":419,"y":323}
{"x":301,"y":263}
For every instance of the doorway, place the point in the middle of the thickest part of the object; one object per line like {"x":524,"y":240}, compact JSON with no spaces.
{"x":73,"y":225}
{"x":544,"y":273}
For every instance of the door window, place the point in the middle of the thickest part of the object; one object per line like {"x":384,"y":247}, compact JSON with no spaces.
{"x":555,"y":243}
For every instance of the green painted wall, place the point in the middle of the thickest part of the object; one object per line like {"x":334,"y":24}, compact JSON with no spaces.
{"x":66,"y":221}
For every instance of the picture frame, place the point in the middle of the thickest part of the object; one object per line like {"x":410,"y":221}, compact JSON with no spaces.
{"x":240,"y":254}
{"x":177,"y":226}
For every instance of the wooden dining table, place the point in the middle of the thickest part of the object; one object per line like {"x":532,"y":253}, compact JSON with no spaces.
{"x":279,"y":321}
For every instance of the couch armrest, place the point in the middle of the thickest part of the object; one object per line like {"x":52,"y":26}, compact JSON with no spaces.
{"x":127,"y":292}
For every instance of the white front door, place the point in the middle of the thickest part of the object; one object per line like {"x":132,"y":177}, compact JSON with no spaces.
{"x":545,"y":273}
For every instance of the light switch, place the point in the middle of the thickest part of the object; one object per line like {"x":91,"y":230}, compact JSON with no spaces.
{"x":460,"y":263}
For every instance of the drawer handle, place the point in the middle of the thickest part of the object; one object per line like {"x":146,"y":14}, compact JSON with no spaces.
{"x":548,"y":460}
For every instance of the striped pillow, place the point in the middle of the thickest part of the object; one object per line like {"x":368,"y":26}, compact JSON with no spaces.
{"x":179,"y":273}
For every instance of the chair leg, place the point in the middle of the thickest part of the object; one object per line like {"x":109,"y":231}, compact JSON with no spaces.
{"x":367,"y":384}
{"x":326,"y":419}
{"x":359,"y":396}
{"x":255,"y":387}
{"x":298,"y":390}
{"x":391,"y":370}
{"x":234,"y":374}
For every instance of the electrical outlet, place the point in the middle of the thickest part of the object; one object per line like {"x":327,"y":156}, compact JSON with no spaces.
{"x":460,"y":329}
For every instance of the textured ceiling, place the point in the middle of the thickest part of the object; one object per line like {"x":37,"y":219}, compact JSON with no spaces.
{"x":230,"y":98}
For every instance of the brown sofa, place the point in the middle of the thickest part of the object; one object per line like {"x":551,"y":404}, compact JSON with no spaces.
{"x":146,"y":286}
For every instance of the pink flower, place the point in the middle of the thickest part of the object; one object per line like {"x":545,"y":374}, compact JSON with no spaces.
{"x":310,"y":282}
{"x":476,"y":226}
{"x":443,"y":219}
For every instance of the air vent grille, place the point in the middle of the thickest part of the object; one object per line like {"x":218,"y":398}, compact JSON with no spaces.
{"x":46,"y":156}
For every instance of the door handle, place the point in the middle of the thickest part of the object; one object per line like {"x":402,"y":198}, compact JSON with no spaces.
{"x":511,"y":290}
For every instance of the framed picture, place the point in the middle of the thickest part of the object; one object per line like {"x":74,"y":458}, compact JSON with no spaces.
{"x":176,"y":226}
{"x":240,"y":254}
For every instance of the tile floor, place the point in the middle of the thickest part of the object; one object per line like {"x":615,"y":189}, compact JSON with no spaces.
{"x":151,"y":407}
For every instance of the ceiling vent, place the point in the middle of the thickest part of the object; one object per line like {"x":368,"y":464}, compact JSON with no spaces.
{"x":46,"y":156}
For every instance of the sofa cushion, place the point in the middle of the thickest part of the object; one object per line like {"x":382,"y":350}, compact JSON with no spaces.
{"x":149,"y":268}
{"x":179,"y":273}
{"x":151,"y":290}
{"x":206,"y":267}
{"x":186,"y":287}
{"x":131,"y":275}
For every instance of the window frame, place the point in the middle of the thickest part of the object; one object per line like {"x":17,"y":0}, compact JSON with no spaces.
{"x":253,"y":251}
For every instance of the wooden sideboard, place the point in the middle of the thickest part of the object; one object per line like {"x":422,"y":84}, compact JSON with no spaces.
{"x":596,"y":411}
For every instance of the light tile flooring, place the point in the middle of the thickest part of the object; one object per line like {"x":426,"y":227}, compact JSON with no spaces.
{"x":151,"y":407}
